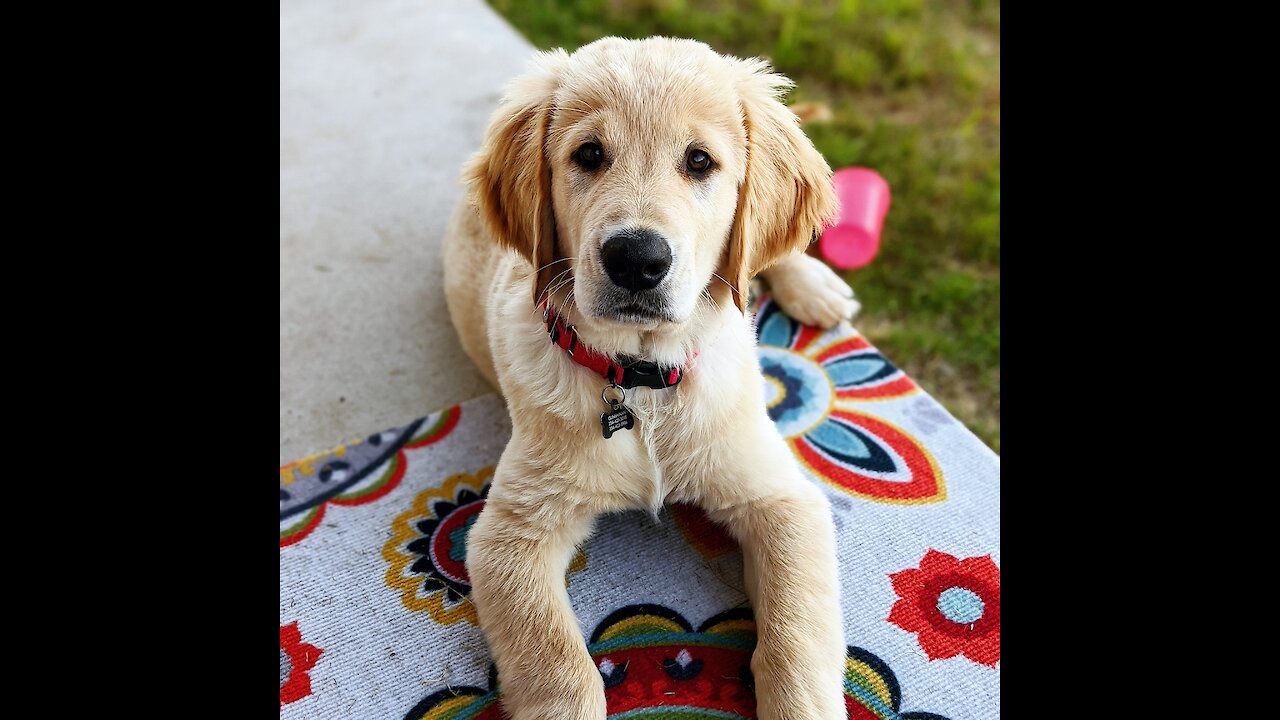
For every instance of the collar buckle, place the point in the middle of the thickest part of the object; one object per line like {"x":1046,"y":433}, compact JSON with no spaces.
{"x":643,"y":373}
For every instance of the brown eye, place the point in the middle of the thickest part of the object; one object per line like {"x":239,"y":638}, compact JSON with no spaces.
{"x":698,"y":162}
{"x":589,"y":156}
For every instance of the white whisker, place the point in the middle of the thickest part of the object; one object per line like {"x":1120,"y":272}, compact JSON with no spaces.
{"x":528,"y":275}
{"x":552,"y":286}
{"x":726,"y":282}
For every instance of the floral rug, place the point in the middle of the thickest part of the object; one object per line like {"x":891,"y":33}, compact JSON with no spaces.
{"x":375,"y":618}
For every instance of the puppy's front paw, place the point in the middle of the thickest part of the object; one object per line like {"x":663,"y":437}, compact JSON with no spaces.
{"x":811,"y":292}
{"x":572,"y":692}
{"x":785,"y":693}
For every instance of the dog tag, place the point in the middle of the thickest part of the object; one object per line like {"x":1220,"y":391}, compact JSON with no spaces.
{"x":618,"y":417}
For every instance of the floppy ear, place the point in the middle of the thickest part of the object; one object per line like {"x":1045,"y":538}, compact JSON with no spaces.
{"x":786,"y":197}
{"x":510,"y":178}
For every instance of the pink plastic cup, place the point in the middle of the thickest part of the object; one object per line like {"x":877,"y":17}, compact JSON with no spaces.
{"x":864,"y":201}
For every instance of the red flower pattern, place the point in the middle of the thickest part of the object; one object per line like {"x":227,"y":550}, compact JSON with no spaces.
{"x":954,"y":606}
{"x":296,"y":658}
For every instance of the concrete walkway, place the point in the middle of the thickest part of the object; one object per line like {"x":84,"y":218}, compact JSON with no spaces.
{"x":380,"y":103}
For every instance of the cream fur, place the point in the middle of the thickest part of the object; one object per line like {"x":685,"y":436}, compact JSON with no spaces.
{"x":709,"y":441}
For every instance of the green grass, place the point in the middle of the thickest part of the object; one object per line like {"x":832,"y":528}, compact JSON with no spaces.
{"x":914,"y":87}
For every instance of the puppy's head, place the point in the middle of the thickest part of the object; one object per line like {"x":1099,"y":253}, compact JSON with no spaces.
{"x":649,"y":176}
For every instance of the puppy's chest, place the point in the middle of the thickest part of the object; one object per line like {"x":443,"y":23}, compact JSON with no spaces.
{"x":672,"y":440}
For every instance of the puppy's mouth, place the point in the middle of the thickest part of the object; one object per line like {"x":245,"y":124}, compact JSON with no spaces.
{"x":637,"y":314}
{"x":635,"y":309}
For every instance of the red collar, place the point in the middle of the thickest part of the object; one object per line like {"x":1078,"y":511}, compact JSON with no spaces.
{"x":624,"y":372}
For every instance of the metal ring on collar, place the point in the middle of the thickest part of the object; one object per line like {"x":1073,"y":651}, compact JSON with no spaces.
{"x":604,"y":395}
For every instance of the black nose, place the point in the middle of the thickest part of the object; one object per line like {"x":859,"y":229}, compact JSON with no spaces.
{"x":636,"y":259}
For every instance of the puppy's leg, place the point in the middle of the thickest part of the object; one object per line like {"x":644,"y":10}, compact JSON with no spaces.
{"x":517,"y":558}
{"x":811,"y":292}
{"x":788,"y":542}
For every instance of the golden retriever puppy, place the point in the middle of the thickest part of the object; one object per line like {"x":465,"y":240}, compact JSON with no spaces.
{"x":622,"y":200}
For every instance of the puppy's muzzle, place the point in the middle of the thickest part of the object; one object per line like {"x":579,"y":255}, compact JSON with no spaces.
{"x":636,"y":259}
